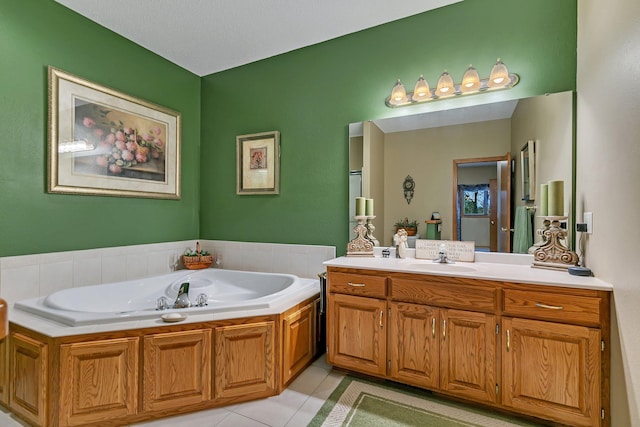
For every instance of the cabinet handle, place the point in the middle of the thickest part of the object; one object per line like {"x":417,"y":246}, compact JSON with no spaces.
{"x":381,"y":314}
{"x":550,"y":307}
{"x":357,"y":285}
{"x":433,"y":327}
{"x":444,"y":329}
{"x":508,"y":340}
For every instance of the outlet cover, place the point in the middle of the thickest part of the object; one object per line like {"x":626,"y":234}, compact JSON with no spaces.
{"x":587,"y":218}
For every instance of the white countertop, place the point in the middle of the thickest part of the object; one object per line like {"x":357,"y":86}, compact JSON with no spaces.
{"x":500,"y":267}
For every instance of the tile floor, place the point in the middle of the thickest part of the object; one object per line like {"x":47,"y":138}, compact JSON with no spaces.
{"x":294,"y":407}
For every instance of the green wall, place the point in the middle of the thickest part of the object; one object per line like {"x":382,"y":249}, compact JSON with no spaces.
{"x":33,"y":35}
{"x":311,"y":94}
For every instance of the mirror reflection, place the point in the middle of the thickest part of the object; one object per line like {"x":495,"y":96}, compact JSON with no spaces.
{"x":467,"y":167}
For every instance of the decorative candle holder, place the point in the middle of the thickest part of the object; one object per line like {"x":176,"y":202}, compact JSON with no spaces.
{"x":360,"y":245}
{"x":370,"y":229}
{"x":546,"y":223}
{"x":553,"y":253}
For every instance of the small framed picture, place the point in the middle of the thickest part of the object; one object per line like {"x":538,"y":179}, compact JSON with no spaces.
{"x":435,"y":215}
{"x":258,"y":163}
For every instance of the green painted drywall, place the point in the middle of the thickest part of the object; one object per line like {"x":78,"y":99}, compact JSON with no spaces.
{"x":310,"y":95}
{"x":33,"y":35}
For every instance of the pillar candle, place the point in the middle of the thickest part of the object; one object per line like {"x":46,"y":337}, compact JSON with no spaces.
{"x":368,"y":210}
{"x":544,"y":199}
{"x":556,"y":198}
{"x":359,"y":206}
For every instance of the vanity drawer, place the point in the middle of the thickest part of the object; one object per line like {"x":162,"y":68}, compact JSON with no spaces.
{"x":358,"y":284}
{"x":552,"y":306}
{"x":441,"y":294}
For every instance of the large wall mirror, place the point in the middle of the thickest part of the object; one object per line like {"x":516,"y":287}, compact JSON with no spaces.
{"x":457,"y":155}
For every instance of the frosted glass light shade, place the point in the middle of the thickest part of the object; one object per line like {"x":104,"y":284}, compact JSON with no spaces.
{"x":421,"y":92}
{"x":398,"y":94}
{"x":499,"y":75}
{"x":445,"y":85}
{"x":470,"y":80}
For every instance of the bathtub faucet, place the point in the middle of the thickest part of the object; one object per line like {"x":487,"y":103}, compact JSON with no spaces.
{"x":183,"y":297}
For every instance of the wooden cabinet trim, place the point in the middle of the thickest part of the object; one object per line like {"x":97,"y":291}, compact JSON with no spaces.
{"x":85,"y":367}
{"x":363,"y":350}
{"x":526,"y":361}
{"x":358,"y":284}
{"x":452,"y":295}
{"x":177,"y":369}
{"x":28,"y":393}
{"x":567,"y":308}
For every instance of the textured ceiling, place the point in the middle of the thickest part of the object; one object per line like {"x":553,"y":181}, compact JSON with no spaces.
{"x":207,"y":36}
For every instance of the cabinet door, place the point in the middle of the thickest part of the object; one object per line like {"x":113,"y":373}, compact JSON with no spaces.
{"x":413,"y":344}
{"x":552,"y":369}
{"x":356,"y":333}
{"x":4,"y":372}
{"x":245,"y":361}
{"x":28,"y":378}
{"x":100,"y":381}
{"x":298,"y":341}
{"x":468,"y":355}
{"x":177,"y":369}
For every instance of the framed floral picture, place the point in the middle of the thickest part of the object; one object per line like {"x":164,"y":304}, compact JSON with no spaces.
{"x":106,"y":143}
{"x":258,"y":163}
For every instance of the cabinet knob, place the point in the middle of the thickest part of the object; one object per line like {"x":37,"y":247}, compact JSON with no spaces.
{"x":381,"y":314}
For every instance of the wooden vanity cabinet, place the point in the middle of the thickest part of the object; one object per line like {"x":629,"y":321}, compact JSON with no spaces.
{"x":556,"y":367}
{"x":459,"y":344}
{"x":414,"y":357}
{"x":468,"y":366}
{"x":356,"y":322}
{"x":536,"y":350}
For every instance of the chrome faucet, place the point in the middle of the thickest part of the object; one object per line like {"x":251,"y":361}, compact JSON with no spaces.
{"x":183,"y":297}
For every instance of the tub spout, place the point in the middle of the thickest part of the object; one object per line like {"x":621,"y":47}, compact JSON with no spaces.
{"x":183,"y":297}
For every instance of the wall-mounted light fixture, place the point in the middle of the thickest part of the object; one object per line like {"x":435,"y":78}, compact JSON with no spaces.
{"x":499,"y":78}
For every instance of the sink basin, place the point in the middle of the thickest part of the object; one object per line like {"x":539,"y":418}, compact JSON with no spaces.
{"x":450,"y":268}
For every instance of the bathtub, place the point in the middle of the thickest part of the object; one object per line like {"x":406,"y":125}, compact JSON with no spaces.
{"x":225,"y":290}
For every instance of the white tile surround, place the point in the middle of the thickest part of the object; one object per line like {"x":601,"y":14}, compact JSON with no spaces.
{"x":30,"y":276}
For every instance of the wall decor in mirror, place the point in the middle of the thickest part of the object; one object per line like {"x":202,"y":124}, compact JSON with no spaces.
{"x":481,"y":139}
{"x":106,"y":143}
{"x":528,"y":171}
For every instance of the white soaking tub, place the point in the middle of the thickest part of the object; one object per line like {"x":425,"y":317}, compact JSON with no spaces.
{"x":225,"y":290}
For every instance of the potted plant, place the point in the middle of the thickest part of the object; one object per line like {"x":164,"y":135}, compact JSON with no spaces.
{"x":410,"y":226}
{"x":197,"y":260}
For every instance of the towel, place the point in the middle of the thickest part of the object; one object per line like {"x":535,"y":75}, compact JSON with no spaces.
{"x":523,"y":230}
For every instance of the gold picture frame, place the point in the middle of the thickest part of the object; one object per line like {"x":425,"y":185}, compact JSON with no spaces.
{"x":106,"y":143}
{"x":258,"y":163}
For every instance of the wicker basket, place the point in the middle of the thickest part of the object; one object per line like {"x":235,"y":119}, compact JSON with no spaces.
{"x":197,"y":262}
